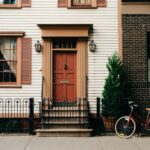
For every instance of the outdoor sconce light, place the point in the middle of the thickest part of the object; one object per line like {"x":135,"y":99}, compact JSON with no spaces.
{"x":92,"y":46}
{"x":38,"y":46}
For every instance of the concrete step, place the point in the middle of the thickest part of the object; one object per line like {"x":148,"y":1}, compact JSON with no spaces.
{"x":61,"y":122}
{"x":64,"y":132}
{"x":64,"y":114}
{"x":49,"y":108}
{"x":64,"y":119}
{"x":47,"y":125}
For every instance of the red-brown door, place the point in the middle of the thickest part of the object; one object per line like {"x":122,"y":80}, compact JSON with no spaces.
{"x":64,"y":76}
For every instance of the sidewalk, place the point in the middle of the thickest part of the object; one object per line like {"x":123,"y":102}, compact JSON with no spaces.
{"x":91,"y":143}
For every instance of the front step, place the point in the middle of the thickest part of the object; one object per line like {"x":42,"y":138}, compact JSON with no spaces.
{"x":66,"y":125}
{"x":64,"y":121}
{"x":64,"y":132}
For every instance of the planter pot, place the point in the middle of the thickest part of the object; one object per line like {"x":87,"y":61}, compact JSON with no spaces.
{"x":109,"y":123}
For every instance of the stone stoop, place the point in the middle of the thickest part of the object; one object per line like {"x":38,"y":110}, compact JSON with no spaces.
{"x":64,"y":132}
{"x":65,"y":121}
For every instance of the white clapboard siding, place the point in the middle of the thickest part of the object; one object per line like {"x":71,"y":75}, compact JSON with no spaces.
{"x":104,"y":20}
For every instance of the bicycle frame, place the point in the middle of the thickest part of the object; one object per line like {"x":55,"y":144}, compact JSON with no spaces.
{"x":144,"y":123}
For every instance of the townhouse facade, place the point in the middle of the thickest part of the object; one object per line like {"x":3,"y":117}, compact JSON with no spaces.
{"x":136,"y":36}
{"x":57,"y":49}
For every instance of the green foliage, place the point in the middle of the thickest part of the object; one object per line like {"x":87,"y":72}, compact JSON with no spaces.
{"x":114,"y":88}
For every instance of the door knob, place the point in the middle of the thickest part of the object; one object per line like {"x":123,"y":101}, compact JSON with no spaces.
{"x":65,"y":66}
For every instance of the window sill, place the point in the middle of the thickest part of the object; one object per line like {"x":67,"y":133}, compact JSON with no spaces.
{"x":9,"y":6}
{"x":135,"y":3}
{"x":10,"y":86}
{"x":82,"y":7}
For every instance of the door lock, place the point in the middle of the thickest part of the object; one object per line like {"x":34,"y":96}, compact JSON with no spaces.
{"x":65,"y":66}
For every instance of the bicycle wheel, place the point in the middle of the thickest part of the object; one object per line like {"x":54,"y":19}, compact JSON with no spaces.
{"x":125,"y":127}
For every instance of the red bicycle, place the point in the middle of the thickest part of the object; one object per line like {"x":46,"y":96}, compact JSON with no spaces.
{"x":126,"y":126}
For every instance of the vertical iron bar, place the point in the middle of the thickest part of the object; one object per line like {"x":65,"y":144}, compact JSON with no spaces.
{"x":98,"y":108}
{"x":31,"y":116}
{"x":79,"y":109}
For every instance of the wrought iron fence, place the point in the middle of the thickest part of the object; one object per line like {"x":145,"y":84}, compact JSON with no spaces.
{"x":71,"y":113}
{"x":17,"y":115}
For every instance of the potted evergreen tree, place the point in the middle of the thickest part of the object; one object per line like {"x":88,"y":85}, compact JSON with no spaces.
{"x":113,"y":92}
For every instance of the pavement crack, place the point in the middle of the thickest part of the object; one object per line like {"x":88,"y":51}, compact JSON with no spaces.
{"x":26,"y":146}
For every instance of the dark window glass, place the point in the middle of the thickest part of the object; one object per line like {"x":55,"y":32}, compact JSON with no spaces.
{"x":64,"y":43}
{"x":7,"y":1}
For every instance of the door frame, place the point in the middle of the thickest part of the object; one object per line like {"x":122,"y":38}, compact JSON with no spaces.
{"x":82,"y":67}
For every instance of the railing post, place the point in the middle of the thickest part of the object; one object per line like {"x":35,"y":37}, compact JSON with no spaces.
{"x":31,"y":116}
{"x":79,"y":110}
{"x":98,"y":108}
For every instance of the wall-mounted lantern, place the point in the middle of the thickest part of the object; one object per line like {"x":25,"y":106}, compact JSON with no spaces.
{"x":92,"y":46}
{"x":38,"y":46}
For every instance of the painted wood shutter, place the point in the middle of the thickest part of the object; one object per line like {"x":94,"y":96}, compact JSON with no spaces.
{"x":26,"y":3}
{"x":101,"y":3}
{"x":26,"y":61}
{"x":62,"y":3}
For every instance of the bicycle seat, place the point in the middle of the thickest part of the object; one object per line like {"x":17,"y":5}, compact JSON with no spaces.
{"x":130,"y":103}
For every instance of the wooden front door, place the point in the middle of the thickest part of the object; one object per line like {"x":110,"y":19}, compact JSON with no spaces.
{"x":64,"y":76}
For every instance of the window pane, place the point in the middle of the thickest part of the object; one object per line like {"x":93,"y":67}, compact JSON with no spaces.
{"x":12,"y":77}
{"x":64,"y":43}
{"x":8,"y":62}
{"x":6,"y":77}
{"x":13,"y":44}
{"x":6,"y":66}
{"x":81,"y":2}
{"x":7,"y":1}
{"x":13,"y":55}
{"x":6,"y":54}
{"x":1,"y":44}
{"x":1,"y":66}
{"x":13,"y":67}
{"x":1,"y":49}
{"x":1,"y":54}
{"x":7,"y":44}
{"x":1,"y":77}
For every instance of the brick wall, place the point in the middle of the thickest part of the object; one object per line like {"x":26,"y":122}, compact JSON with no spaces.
{"x":135,"y":29}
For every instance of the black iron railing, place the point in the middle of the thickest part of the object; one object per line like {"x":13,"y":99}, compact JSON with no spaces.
{"x":105,"y":124}
{"x":17,"y":115}
{"x":65,"y":113}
